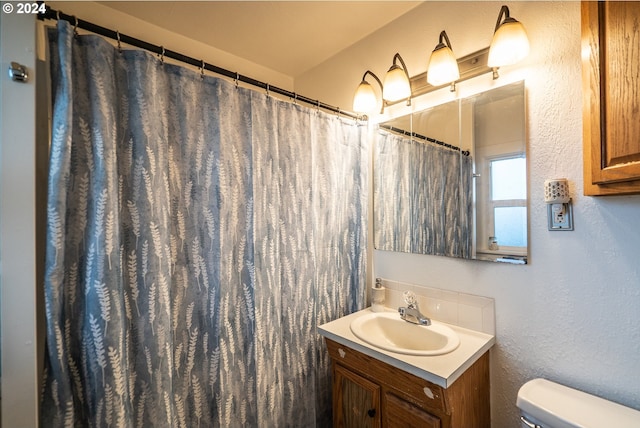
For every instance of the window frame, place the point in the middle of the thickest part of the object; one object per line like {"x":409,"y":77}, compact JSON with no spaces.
{"x":488,"y":205}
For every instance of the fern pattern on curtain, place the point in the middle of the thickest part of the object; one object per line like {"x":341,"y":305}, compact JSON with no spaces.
{"x":197,"y":235}
{"x":422,"y":198}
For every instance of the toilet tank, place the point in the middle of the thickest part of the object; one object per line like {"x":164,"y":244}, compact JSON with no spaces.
{"x":547,"y":404}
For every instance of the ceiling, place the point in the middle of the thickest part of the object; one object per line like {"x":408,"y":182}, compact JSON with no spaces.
{"x":290,"y":37}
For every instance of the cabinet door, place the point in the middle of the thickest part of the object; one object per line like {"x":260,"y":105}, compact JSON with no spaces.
{"x":611,"y":91}
{"x":399,"y":413}
{"x":356,"y":400}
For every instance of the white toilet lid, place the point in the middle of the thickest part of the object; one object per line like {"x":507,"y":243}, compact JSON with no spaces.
{"x":561,"y":407}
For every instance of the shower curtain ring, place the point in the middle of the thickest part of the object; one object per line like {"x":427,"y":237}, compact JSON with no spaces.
{"x":75,"y":26}
{"x":318,"y":106}
{"x":162,"y":55}
{"x":267,"y":89}
{"x":295,"y":98}
{"x":119,"y":45}
{"x":57,"y":15}
{"x":202,"y":69}
{"x":237,"y":80}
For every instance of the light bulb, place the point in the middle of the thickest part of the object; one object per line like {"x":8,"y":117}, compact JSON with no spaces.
{"x":396,"y":85}
{"x":510,"y":43}
{"x":443,"y":67}
{"x":364,"y":100}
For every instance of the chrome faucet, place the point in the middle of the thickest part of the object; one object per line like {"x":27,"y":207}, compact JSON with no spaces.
{"x":412,"y":312}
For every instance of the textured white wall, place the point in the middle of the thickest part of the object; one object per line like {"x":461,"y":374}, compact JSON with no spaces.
{"x":572,"y":315}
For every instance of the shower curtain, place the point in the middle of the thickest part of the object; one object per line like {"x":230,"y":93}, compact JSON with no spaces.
{"x":423,"y":197}
{"x":198,"y":232}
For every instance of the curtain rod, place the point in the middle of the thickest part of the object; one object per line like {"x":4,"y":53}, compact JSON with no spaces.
{"x":422,"y":137}
{"x":160,"y":50}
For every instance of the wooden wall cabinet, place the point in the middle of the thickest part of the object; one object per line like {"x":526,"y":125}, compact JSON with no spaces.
{"x":371,"y":393}
{"x":611,"y":97}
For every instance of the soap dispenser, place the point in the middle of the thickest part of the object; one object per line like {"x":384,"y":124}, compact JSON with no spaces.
{"x":377,"y":296}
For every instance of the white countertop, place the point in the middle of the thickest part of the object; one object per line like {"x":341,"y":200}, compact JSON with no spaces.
{"x":442,"y":370}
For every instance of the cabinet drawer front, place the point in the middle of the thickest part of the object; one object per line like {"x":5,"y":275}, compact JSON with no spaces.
{"x":402,"y":414}
{"x":419,"y":391}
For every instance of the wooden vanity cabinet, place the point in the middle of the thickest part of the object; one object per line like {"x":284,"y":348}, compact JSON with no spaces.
{"x":611,"y":97}
{"x":371,"y":393}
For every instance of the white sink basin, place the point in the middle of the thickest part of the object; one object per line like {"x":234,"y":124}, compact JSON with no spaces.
{"x":386,"y":330}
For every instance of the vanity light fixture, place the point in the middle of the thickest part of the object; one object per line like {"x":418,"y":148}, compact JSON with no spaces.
{"x":510,"y":43}
{"x":443,"y":66}
{"x":365,"y":99}
{"x":396,"y":83}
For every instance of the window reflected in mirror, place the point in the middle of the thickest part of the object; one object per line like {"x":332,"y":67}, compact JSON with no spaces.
{"x":506,"y":208}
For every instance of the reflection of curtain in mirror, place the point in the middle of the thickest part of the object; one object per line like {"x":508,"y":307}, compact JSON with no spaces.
{"x":423,"y":198}
{"x":392,"y":210}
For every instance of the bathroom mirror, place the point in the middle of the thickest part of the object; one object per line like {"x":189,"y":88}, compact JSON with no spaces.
{"x":430,"y":198}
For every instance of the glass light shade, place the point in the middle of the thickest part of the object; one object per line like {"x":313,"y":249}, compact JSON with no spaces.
{"x":364,"y":100}
{"x":396,"y":85}
{"x":510,"y":44}
{"x":443,"y":67}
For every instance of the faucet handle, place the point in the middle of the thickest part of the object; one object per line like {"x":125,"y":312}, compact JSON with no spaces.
{"x":410,"y":299}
